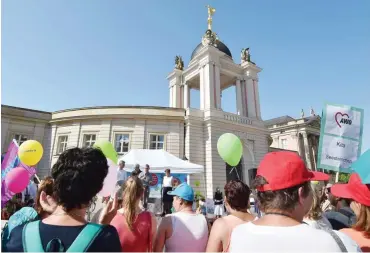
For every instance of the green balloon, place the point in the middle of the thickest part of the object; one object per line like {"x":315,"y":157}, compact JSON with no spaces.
{"x":230,"y":148}
{"x":108,"y":150}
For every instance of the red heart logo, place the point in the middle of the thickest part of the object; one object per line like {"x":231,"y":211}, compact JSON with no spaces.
{"x":154,"y":180}
{"x":341,"y":114}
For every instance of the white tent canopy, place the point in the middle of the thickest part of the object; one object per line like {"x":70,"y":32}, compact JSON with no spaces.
{"x":158,"y":160}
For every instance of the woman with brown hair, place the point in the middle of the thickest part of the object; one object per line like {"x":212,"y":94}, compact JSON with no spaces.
{"x":135,"y":227}
{"x":359,"y":193}
{"x":237,"y":205}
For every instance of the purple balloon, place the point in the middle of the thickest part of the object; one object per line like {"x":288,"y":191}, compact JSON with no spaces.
{"x":17,"y":179}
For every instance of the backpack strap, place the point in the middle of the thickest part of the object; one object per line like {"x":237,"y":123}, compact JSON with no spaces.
{"x":337,"y":240}
{"x":335,"y":237}
{"x":4,"y":237}
{"x":31,"y":239}
{"x":85,"y":238}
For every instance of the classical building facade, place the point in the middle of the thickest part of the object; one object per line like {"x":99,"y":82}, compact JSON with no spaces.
{"x":301,"y":135}
{"x":26,"y":124}
{"x":186,"y":132}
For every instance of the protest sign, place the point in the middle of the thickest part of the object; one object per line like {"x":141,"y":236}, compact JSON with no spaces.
{"x":340,"y":137}
{"x":10,"y":161}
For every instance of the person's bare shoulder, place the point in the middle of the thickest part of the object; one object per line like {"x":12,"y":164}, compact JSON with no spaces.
{"x":220,"y":225}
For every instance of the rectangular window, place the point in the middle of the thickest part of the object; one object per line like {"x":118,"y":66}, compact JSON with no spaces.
{"x":20,"y":138}
{"x":156,"y":141}
{"x":284,"y":144}
{"x":62,"y":143}
{"x":89,"y":140}
{"x":122,"y":142}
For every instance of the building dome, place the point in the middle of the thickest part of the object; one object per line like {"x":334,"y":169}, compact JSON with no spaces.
{"x":220,"y":46}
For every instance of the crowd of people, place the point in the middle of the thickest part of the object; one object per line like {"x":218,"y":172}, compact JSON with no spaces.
{"x":297,"y":214}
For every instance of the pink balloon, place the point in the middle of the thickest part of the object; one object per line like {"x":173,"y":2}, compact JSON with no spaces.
{"x":17,"y":179}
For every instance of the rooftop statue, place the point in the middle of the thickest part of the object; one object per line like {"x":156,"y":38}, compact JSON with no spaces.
{"x":211,"y":11}
{"x":245,"y":55}
{"x":312,"y":112}
{"x":179,"y":63}
{"x":209,"y":38}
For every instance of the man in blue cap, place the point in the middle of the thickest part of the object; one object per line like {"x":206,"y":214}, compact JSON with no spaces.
{"x":184,"y":230}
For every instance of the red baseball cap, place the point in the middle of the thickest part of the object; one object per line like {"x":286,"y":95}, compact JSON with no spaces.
{"x":355,"y":190}
{"x":285,"y":169}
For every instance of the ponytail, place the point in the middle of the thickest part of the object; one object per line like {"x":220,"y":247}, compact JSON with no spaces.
{"x":133,"y":190}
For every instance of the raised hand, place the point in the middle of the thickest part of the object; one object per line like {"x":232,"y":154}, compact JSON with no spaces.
{"x":109,"y":211}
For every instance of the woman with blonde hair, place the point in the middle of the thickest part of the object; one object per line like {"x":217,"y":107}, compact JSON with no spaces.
{"x":314,"y":217}
{"x":135,"y":227}
{"x":359,"y":194}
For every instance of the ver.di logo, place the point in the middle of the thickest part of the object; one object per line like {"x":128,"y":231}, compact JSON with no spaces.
{"x":342,"y":118}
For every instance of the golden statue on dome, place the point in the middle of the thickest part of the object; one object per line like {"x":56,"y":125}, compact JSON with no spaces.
{"x":209,"y":38}
{"x":211,"y":11}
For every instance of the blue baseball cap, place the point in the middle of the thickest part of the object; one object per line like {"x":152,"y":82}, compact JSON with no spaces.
{"x":183,"y":191}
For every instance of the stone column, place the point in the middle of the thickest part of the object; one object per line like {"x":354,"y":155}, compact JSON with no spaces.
{"x":186,"y":96}
{"x":300,"y":151}
{"x":257,"y":98}
{"x":244,"y":97}
{"x":201,"y":88}
{"x":217,"y":86}
{"x":171,"y":97}
{"x":307,"y":151}
{"x":209,"y":86}
{"x":239,"y":104}
{"x":176,"y":102}
{"x":314,"y":158}
{"x":175,"y":88}
{"x":251,"y":104}
{"x":314,"y":149}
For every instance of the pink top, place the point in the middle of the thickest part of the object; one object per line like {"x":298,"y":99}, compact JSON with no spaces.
{"x":140,"y":238}
{"x":359,"y":237}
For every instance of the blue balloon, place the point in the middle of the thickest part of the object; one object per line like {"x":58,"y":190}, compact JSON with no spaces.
{"x":362,"y":167}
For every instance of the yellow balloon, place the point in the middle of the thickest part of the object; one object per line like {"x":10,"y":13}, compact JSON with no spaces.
{"x":30,"y":152}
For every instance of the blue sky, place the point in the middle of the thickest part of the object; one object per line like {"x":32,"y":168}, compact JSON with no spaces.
{"x":66,"y":54}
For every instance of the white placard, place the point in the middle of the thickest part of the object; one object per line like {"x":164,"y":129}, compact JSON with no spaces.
{"x":339,"y":152}
{"x":340,"y":137}
{"x":343,"y":121}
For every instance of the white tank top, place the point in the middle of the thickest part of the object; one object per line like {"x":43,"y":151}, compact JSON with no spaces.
{"x":167,"y":181}
{"x":189,"y":233}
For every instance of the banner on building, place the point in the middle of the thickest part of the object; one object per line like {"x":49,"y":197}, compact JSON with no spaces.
{"x":155,"y":189}
{"x":340,"y":137}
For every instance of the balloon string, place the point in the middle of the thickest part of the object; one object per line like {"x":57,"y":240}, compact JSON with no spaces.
{"x":237,"y":174}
